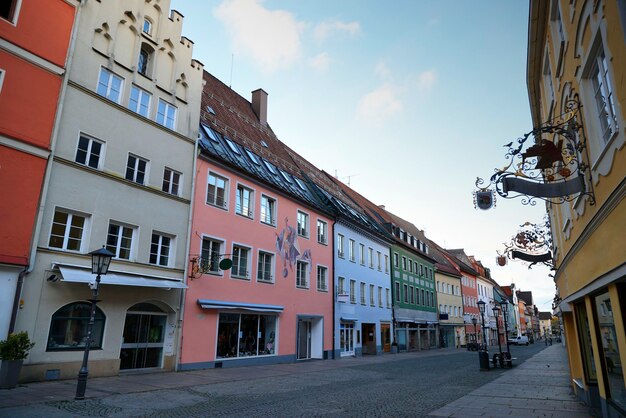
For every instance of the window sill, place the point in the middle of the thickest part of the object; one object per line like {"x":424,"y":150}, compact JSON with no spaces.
{"x":302,"y":287}
{"x":224,"y":208}
{"x":273,"y":225}
{"x":323,"y":290}
{"x":265,"y":281}
{"x":232,"y":276}
{"x":245,"y":216}
{"x":322,"y":242}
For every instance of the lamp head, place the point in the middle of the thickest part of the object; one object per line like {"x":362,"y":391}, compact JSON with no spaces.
{"x":474,"y":321}
{"x":481,"y":306}
{"x":505,"y":307}
{"x":100,"y":260}
{"x":496,"y":311}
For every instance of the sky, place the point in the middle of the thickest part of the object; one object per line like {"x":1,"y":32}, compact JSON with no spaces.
{"x":407,"y":101}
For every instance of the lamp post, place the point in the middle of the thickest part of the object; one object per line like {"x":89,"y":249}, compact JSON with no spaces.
{"x":100,"y":260}
{"x":505,"y":307}
{"x":496,"y":313}
{"x":483,"y":355}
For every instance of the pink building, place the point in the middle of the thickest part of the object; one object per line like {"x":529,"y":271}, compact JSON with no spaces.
{"x":274,"y":304}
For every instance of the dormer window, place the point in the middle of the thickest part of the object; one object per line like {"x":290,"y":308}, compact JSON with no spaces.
{"x":147,"y":27}
{"x":146,"y":55}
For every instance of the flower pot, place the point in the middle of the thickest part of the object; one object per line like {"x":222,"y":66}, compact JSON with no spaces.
{"x":10,"y":373}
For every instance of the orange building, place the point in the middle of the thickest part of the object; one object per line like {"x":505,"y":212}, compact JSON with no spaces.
{"x":33,"y":55}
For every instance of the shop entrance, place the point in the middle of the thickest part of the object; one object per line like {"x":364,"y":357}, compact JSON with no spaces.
{"x":144,"y":333}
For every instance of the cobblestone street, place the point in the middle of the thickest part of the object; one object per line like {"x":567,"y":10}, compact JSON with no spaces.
{"x":408,"y":384}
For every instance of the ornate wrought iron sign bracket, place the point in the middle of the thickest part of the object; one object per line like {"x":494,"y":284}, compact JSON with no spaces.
{"x":531,"y":244}
{"x":551,"y":168}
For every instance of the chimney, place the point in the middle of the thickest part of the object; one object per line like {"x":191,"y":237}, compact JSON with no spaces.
{"x":259,"y":105}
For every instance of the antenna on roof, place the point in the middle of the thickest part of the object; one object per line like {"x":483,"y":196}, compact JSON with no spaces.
{"x":348,"y":177}
{"x":232,"y":59}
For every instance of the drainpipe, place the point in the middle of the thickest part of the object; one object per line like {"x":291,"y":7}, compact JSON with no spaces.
{"x":46,"y":180}
{"x":333,"y":285}
{"x":183,"y":293}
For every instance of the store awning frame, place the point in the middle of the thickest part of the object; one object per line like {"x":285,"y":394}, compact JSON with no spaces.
{"x":73,"y":274}
{"x":255,"y":307}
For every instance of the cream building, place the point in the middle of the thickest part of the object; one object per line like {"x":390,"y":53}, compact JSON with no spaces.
{"x":121,"y":176}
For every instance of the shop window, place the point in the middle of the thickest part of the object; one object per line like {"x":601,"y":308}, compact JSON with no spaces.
{"x":609,"y":349}
{"x":584,"y":339}
{"x":246,"y":335}
{"x":68,"y":328}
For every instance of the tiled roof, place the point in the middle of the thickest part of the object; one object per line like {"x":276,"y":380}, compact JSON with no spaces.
{"x":443,"y":264}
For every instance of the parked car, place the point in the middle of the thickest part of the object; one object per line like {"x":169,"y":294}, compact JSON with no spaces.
{"x":522,"y":339}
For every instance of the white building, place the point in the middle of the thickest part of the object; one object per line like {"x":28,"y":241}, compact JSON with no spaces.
{"x":121,"y":176}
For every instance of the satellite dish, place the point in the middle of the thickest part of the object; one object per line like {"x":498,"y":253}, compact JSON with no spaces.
{"x":226,"y":263}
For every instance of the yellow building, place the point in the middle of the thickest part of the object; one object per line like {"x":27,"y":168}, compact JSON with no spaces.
{"x":577,"y":52}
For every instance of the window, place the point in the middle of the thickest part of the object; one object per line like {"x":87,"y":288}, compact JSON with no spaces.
{"x":67,"y":231}
{"x":603,"y":95}
{"x":351,"y":250}
{"x":303,"y":224}
{"x":240,"y":262}
{"x":340,"y":252}
{"x":322,"y":278}
{"x":352,"y":291}
{"x":386,"y":264}
{"x":144,"y":63}
{"x":110,"y":85}
{"x":268,"y":210}
{"x":119,"y":240}
{"x":380,"y":296}
{"x":341,"y":286}
{"x":395,"y":260}
{"x":246,"y":335}
{"x":160,"y":249}
{"x":388,"y":299}
{"x":147,"y":26}
{"x":264,"y":267}
{"x":302,"y":274}
{"x":372,"y":289}
{"x":397,"y":291}
{"x":1,"y":78}
{"x":362,"y":289}
{"x":68,"y":328}
{"x":166,"y":114}
{"x":362,"y":254}
{"x":406,"y":293}
{"x":89,"y":151}
{"x":243,"y":206}
{"x":322,"y":232}
{"x":404,"y":263}
{"x":370,"y":253}
{"x":139,"y":101}
{"x":210,"y":255}
{"x":422,"y":297}
{"x":411,"y":266}
{"x":217,"y":192}
{"x":171,"y":181}
{"x":379,"y":258}
{"x":136,"y":169}
{"x":412,"y":294}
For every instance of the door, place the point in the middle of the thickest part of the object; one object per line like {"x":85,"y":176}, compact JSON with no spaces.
{"x":346,"y":338}
{"x":304,"y":339}
{"x":144,"y":333}
{"x":369,"y":338}
{"x":385,"y":337}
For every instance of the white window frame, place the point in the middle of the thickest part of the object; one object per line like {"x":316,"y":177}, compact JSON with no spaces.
{"x":235,"y":269}
{"x":239,"y":209}
{"x":386,"y":263}
{"x":380,"y":296}
{"x":362,"y":254}
{"x":135,"y":169}
{"x":370,"y":255}
{"x":171,"y":249}
{"x":299,"y":277}
{"x":388,"y":295}
{"x":302,"y":221}
{"x":372,"y":295}
{"x":351,"y":250}
{"x":340,"y":242}
{"x":71,"y":214}
{"x":2,"y":72}
{"x":322,"y":232}
{"x":109,"y":84}
{"x":341,"y":281}
{"x":213,"y":240}
{"x":379,"y":258}
{"x":162,"y":118}
{"x":226,"y":190}
{"x":363,"y":290}
{"x":352,"y":291}
{"x":170,"y":180}
{"x":322,"y":279}
{"x":117,"y":247}
{"x":272,"y":207}
{"x":141,"y":94}
{"x":149,"y":24}
{"x":16,"y":13}
{"x":91,"y":140}
{"x":264,"y":253}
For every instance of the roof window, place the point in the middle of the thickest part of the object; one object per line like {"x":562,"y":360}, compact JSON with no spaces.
{"x":232,"y":146}
{"x":253,"y":157}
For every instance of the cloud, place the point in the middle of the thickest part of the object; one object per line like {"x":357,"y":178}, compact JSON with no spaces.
{"x":325,"y":29}
{"x":270,"y":37}
{"x":382,"y":70}
{"x":426,"y":80}
{"x":320,"y":62}
{"x":377,"y":106}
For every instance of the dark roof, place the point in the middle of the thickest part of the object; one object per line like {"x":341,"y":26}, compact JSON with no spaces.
{"x":463,"y":261}
{"x":443,"y":264}
{"x":545,"y":315}
{"x":526,"y":297}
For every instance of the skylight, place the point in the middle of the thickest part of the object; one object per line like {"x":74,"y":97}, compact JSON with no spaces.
{"x":232,"y":146}
{"x":264,"y":144}
{"x":211,"y":134}
{"x":270,"y":167}
{"x":285,"y":176}
{"x":300,"y":183}
{"x":253,"y":157}
{"x":210,"y":110}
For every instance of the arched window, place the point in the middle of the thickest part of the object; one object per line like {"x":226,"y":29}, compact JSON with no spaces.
{"x":146,"y":56}
{"x":68,"y":328}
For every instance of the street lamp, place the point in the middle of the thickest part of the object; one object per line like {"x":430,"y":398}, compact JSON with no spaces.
{"x":496,"y":313}
{"x":100,"y":260}
{"x":483,"y":355}
{"x":505,"y":308}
